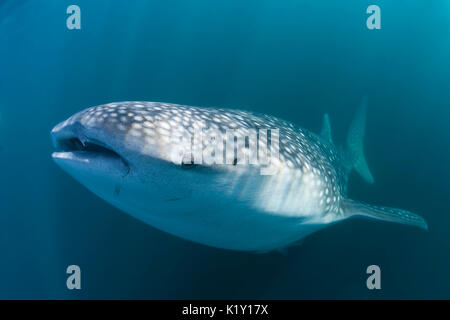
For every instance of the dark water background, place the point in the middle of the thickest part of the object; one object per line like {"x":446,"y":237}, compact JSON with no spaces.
{"x":293,"y":59}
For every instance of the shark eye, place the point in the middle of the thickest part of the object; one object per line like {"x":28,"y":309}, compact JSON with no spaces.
{"x":188,"y":164}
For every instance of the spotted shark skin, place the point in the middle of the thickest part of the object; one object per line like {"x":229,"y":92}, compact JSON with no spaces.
{"x":124,"y":153}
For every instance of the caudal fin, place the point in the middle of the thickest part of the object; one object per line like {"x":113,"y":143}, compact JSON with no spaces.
{"x":352,"y":208}
{"x":354,"y":151}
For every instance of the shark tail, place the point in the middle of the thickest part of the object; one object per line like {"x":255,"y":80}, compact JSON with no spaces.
{"x":354,"y":149}
{"x":353,"y":153}
{"x":355,"y":208}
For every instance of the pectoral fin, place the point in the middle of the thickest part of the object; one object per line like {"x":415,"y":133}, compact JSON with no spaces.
{"x":352,"y":208}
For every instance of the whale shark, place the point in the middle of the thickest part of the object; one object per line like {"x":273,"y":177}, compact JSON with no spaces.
{"x":135,"y":156}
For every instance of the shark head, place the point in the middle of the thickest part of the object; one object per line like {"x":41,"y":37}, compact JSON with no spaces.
{"x":90,"y":152}
{"x":120,"y":149}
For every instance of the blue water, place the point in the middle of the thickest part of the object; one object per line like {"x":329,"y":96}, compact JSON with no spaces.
{"x":294,"y":59}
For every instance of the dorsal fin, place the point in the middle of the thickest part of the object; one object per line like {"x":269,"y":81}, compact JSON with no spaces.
{"x":326,"y":129}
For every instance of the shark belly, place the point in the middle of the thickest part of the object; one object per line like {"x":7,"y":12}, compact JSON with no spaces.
{"x":215,"y":210}
{"x":219,"y":222}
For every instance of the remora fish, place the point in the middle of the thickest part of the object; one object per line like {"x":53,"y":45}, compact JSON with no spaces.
{"x":123,"y":152}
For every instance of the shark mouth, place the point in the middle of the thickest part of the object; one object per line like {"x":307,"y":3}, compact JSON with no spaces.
{"x":96,"y":155}
{"x":75,"y":145}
